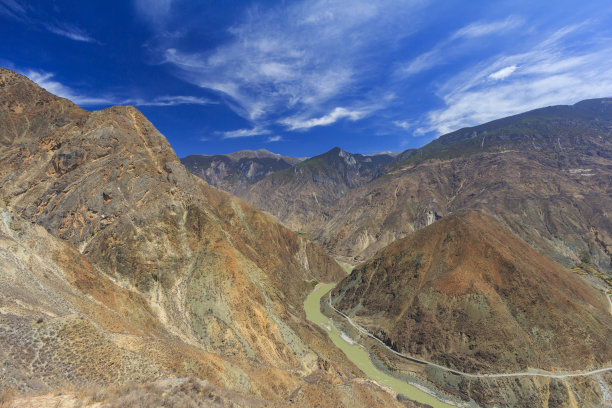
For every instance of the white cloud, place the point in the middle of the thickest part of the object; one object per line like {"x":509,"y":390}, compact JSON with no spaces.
{"x":232,"y":134}
{"x":423,"y":62}
{"x":551,"y":74}
{"x":46,"y":81}
{"x":169,"y":101}
{"x":13,"y":9}
{"x":272,"y":139}
{"x":71,"y":32}
{"x":297,"y":59}
{"x":28,"y":14}
{"x":332,"y":117}
{"x":402,"y":124}
{"x":503,"y":73}
{"x":447,"y":48}
{"x":480,"y":29}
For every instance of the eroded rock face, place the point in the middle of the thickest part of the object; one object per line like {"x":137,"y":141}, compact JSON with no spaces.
{"x":301,"y":196}
{"x":200,"y":283}
{"x":236,"y":172}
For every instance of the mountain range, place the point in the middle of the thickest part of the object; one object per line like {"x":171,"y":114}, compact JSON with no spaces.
{"x":487,"y":252}
{"x":546,"y":174}
{"x":236,"y":172}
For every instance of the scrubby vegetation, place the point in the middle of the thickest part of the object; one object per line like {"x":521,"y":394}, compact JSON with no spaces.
{"x":173,"y":392}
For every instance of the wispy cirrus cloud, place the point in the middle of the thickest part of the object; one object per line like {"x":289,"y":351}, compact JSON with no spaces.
{"x":273,"y":139}
{"x":69,"y":31}
{"x":551,"y":72}
{"x":332,"y":117}
{"x":46,"y":81}
{"x":482,"y":28}
{"x":170,"y":100}
{"x":298,"y":60}
{"x":154,"y":11}
{"x":423,"y":62}
{"x":503,"y":73}
{"x":447,"y":48}
{"x":27,"y":13}
{"x":233,"y":134}
{"x":12,"y":9}
{"x":403,"y":124}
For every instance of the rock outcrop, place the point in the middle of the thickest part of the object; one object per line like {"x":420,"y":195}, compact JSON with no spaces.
{"x":301,"y":196}
{"x":238,"y":171}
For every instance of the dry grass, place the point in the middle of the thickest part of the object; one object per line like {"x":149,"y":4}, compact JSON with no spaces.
{"x":172,"y":392}
{"x":180,"y":393}
{"x":6,"y":398}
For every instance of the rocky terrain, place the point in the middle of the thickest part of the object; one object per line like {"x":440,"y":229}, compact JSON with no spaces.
{"x":468,"y":294}
{"x":236,"y":172}
{"x":118,"y":266}
{"x":301,"y":196}
{"x":546,"y":174}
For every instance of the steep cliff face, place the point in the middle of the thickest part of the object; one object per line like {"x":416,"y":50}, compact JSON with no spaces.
{"x":301,"y":196}
{"x":222,"y":281}
{"x":468,"y":294}
{"x":236,"y":172}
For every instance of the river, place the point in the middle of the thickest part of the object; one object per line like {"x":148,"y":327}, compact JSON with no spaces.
{"x":358,"y":355}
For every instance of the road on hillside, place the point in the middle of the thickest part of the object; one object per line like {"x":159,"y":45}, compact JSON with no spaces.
{"x":461,"y":373}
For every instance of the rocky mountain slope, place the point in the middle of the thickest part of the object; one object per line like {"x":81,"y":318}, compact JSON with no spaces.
{"x":301,"y":196}
{"x":236,"y":172}
{"x":120,"y":266}
{"x":467,"y":293}
{"x":546,"y":174}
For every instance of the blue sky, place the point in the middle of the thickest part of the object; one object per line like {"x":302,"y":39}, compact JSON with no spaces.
{"x":300,"y":77}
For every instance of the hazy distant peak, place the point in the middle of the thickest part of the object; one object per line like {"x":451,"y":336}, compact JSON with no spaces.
{"x":388,"y":153}
{"x":343,"y":153}
{"x":255,"y":154}
{"x":259,"y":154}
{"x":348,"y":158}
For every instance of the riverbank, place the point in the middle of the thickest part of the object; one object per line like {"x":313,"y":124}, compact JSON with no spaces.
{"x":360,"y":357}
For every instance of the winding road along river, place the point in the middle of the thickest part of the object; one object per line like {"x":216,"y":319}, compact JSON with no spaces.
{"x":358,"y":355}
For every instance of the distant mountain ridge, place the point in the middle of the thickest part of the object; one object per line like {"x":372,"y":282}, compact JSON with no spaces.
{"x":300,"y":196}
{"x":547,"y":174}
{"x":549,"y":128}
{"x":236,"y":172}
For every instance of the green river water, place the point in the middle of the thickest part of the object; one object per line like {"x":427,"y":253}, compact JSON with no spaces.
{"x":358,"y":355}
